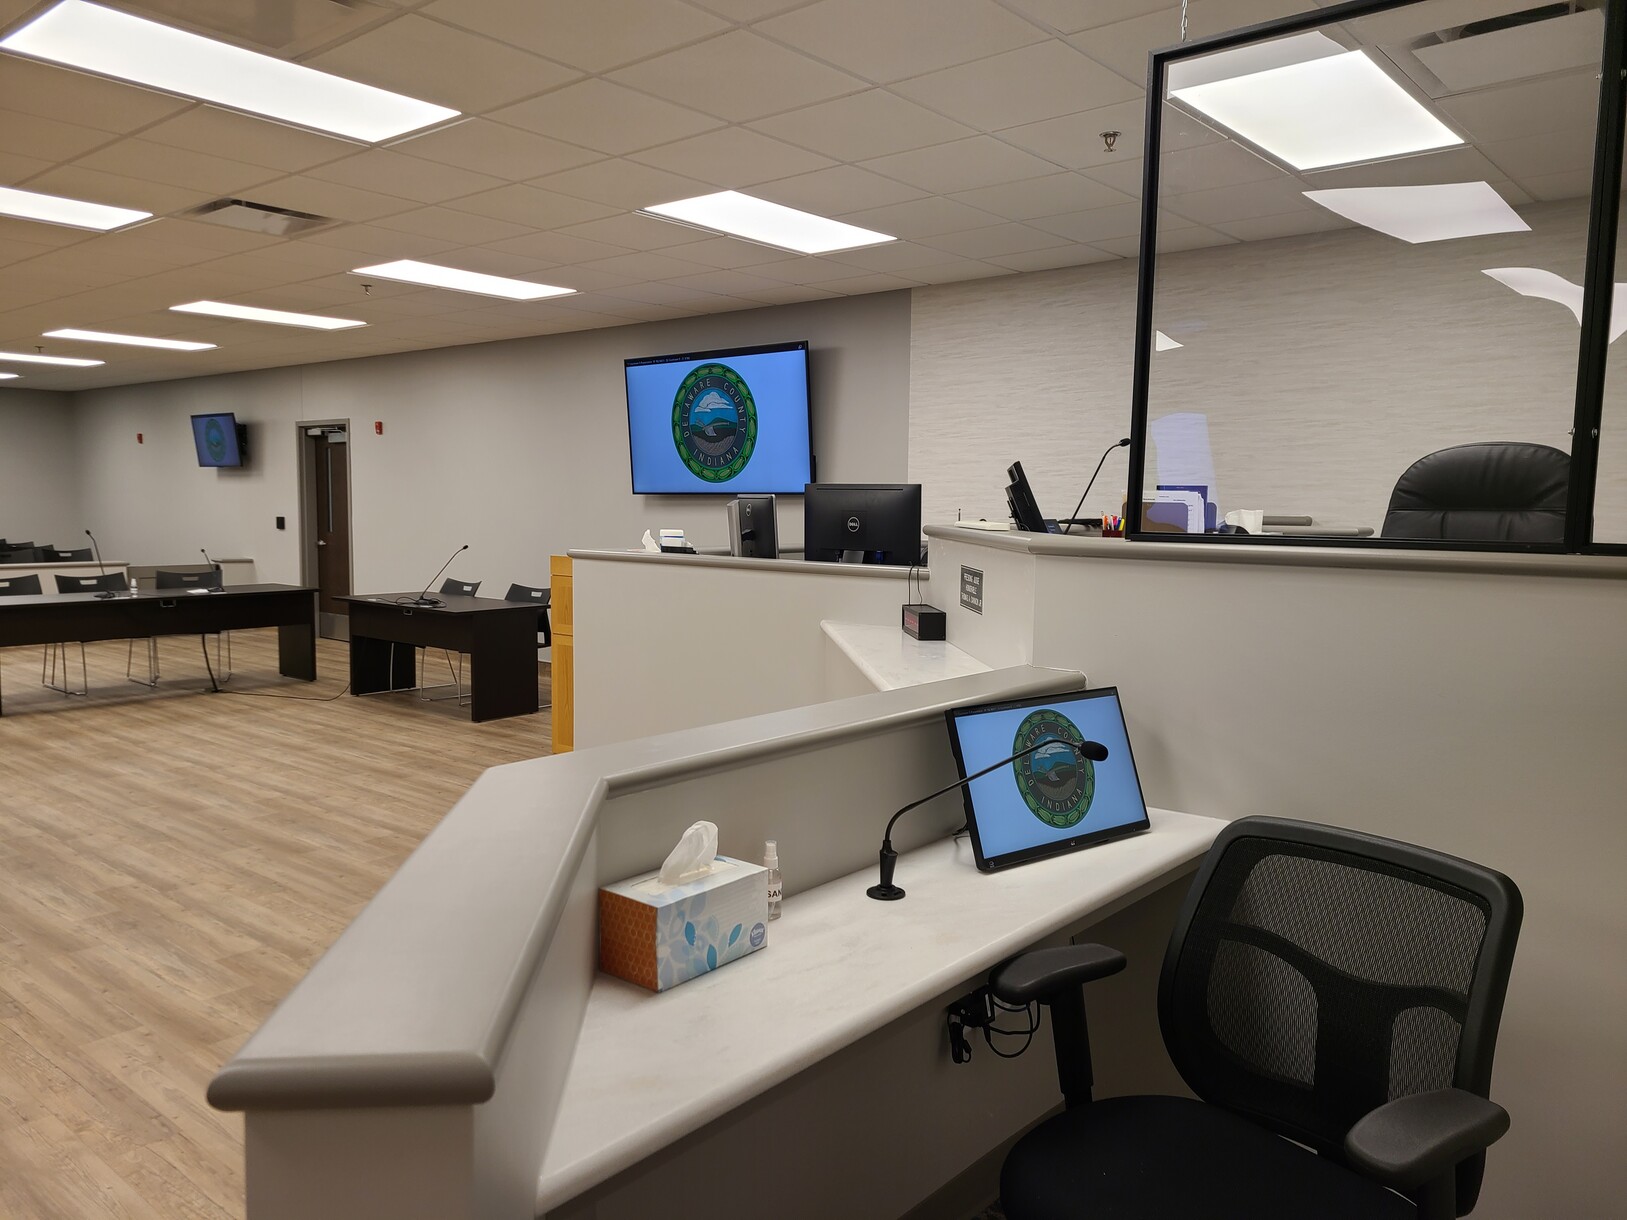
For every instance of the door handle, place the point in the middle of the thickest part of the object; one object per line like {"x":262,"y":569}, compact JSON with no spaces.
{"x":320,"y":542}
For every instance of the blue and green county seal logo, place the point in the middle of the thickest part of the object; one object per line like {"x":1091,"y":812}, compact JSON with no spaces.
{"x":1056,"y":784}
{"x":714,"y":422}
{"x":214,"y":440}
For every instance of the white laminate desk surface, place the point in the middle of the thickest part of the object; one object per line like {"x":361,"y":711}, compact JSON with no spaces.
{"x":892,"y":659}
{"x":650,"y":1068}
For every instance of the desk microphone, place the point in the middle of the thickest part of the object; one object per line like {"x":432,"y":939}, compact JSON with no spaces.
{"x":207,"y":560}
{"x":886,"y":891}
{"x":1115,"y":445}
{"x":105,"y":594}
{"x":424,"y":599}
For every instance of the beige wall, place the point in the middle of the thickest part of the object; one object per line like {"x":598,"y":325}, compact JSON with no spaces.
{"x":1325,"y":363}
{"x":39,"y":470}
{"x":518,"y":448}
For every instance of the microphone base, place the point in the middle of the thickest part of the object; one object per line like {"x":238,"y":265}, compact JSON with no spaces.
{"x":885,"y":893}
{"x":106,"y":597}
{"x":424,"y":601}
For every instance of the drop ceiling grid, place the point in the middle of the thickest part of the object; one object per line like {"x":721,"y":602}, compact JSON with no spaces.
{"x":998,"y":106}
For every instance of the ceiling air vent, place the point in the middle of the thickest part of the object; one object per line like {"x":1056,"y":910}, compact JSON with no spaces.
{"x":260,"y":218}
{"x":1516,"y":46}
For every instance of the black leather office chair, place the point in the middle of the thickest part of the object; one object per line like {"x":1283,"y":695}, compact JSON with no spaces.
{"x":465,"y":588}
{"x":542,"y":597}
{"x":1330,"y":987}
{"x":1495,"y":491}
{"x":18,"y":586}
{"x":210,"y":578}
{"x":49,"y":554}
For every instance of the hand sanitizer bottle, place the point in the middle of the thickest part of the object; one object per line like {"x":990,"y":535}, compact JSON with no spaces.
{"x":133,"y":589}
{"x":771,"y":861}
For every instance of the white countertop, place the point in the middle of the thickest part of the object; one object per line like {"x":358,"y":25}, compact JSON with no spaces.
{"x":891,"y":659}
{"x":839,"y":965}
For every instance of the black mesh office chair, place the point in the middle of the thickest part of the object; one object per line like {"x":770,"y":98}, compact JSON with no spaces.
{"x":1330,"y":987}
{"x":1495,"y":491}
{"x":49,"y":554}
{"x":542,"y":597}
{"x":210,"y":578}
{"x":18,"y":586}
{"x":465,"y":588}
{"x":110,"y":582}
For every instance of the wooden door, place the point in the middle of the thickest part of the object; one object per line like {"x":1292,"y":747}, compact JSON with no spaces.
{"x":328,"y":519}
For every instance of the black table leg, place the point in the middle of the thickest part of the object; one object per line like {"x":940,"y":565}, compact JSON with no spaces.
{"x":296,"y":651}
{"x":503,"y":666}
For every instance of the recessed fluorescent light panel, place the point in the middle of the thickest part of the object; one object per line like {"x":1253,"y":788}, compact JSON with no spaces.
{"x":1549,"y":286}
{"x":26,"y":358}
{"x":768,"y":224}
{"x":101,"y":336}
{"x":1163,"y":343}
{"x":8,"y":376}
{"x":74,"y":213}
{"x":277,"y":317}
{"x":111,"y":43}
{"x":1425,"y":213}
{"x":410,"y":271}
{"x":1326,"y":107}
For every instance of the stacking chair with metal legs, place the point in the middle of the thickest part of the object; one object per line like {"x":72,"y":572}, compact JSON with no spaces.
{"x":19,"y":586}
{"x":532,"y":593}
{"x":463,"y":588}
{"x":110,"y":582}
{"x":212,"y":580}
{"x":49,"y":554}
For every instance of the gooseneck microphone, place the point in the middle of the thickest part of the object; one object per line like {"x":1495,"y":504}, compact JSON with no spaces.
{"x":105,"y":594}
{"x":424,"y":599}
{"x":206,"y":558}
{"x":886,"y":891}
{"x":1068,"y":528}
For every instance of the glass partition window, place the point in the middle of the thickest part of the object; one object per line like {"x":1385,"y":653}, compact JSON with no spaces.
{"x":1371,"y":243}
{"x":1610,"y":488}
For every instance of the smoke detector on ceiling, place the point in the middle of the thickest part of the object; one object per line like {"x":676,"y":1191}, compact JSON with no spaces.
{"x":260,"y":218}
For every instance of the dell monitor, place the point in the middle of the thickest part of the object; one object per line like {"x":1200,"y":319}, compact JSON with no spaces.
{"x":862,"y":523}
{"x":753,"y":532}
{"x":1024,"y":508}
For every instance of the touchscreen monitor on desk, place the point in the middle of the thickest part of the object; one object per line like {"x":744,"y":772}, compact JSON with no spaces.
{"x":1051,"y":801}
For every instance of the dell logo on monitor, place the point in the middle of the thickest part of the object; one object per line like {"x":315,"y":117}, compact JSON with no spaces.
{"x":852,"y":525}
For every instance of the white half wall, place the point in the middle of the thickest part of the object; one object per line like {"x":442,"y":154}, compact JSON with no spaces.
{"x":39,"y":470}
{"x":518,"y":448}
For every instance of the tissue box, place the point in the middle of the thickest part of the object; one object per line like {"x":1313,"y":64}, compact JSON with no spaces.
{"x":661,"y":935}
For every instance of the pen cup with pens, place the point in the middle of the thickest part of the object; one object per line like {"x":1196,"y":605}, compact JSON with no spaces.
{"x":1112,"y":526}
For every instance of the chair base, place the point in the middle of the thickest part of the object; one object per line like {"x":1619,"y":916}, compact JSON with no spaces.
{"x":49,"y":657}
{"x":456,"y":683}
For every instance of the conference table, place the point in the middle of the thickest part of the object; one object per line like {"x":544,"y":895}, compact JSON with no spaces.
{"x":76,"y":618}
{"x":500,"y":638}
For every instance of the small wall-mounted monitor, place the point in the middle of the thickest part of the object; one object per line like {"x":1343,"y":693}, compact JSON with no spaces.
{"x":728,"y":421}
{"x":862,"y":523}
{"x":220,"y":439}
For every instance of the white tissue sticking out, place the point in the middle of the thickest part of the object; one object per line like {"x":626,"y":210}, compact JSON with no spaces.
{"x":650,"y":544}
{"x":692,"y":857}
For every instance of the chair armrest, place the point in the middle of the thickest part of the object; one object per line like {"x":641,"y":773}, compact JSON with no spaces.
{"x":1411,"y":1140}
{"x":1041,"y":973}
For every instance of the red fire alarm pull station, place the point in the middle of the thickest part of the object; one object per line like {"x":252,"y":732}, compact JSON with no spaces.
{"x":378,"y":427}
{"x":140,"y":440}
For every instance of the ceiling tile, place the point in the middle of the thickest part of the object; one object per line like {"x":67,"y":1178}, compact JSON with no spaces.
{"x":32,"y":135}
{"x":78,"y":182}
{"x":377,"y":242}
{"x":1052,"y":259}
{"x":643,"y":264}
{"x":920,"y":218}
{"x":804,"y":269}
{"x":392,"y":173}
{"x":739,"y":76}
{"x":492,"y":148}
{"x":1008,"y":238}
{"x":1047,"y":196}
{"x":1555,"y":152}
{"x":1170,"y":241}
{"x":1122,"y":220}
{"x":631,"y":231}
{"x":322,"y":198}
{"x":530,"y":206}
{"x":897,"y":256}
{"x":869,"y":124}
{"x":1449,"y":165}
{"x":74,"y":97}
{"x":207,"y":130}
{"x":623,"y":185}
{"x":728,"y":252}
{"x":1124,"y":45}
{"x":957,"y":270}
{"x":595,"y":37}
{"x":1575,"y":184}
{"x":747,"y":10}
{"x":605,"y":116}
{"x":1242,"y":202}
{"x":842,"y":188}
{"x":1190,"y":169}
{"x":36,"y":233}
{"x":449,"y":224}
{"x":859,"y":285}
{"x":1289,"y":224}
{"x":902,"y":38}
{"x":729,"y":283}
{"x":557,"y":248}
{"x":1032,"y":83}
{"x":1076,"y":140}
{"x":15,"y":168}
{"x":438,"y":63}
{"x":734,"y":157}
{"x":142,"y":159}
{"x":961,"y":165}
{"x":1526,"y":108}
{"x":188,"y":241}
{"x":1071,"y":16}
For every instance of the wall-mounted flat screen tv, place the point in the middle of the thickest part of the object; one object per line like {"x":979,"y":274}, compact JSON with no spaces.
{"x":728,"y":421}
{"x":219,"y":438}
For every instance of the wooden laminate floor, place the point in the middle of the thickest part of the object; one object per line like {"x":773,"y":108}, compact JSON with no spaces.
{"x":171,"y":862}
